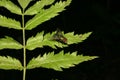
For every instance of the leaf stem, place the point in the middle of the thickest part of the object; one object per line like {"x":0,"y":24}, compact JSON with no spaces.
{"x":24,"y":47}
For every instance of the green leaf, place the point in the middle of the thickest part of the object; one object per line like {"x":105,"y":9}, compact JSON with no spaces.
{"x":10,"y":6}
{"x":24,"y":3}
{"x":47,"y":2}
{"x":71,"y":38}
{"x":45,"y":15}
{"x":39,"y":40}
{"x":58,"y":61}
{"x":9,"y":23}
{"x":84,"y":36}
{"x":38,"y":6}
{"x":34,"y":42}
{"x":8,"y":63}
{"x":68,"y":2}
{"x":9,"y":43}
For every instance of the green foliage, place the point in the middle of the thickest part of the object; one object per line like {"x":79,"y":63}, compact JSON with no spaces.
{"x":45,"y":14}
{"x":9,"y":23}
{"x":8,"y":63}
{"x":10,"y":6}
{"x":76,"y":38}
{"x":9,"y":43}
{"x":52,"y":60}
{"x":39,"y":40}
{"x":58,"y":61}
{"x":24,"y":3}
{"x":36,"y":8}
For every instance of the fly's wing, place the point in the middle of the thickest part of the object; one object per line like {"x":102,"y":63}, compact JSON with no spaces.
{"x":59,"y":32}
{"x":58,"y":36}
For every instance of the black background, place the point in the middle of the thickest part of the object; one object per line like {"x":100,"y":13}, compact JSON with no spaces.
{"x":99,"y":16}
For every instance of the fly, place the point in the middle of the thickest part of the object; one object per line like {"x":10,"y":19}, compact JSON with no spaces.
{"x":58,"y":36}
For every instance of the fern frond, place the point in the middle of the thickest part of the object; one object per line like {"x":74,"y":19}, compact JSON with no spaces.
{"x":45,"y":15}
{"x":39,"y":40}
{"x":38,"y":6}
{"x":9,"y":23}
{"x":58,"y":61}
{"x":9,"y":43}
{"x":10,"y":6}
{"x":24,"y":3}
{"x":8,"y":63}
